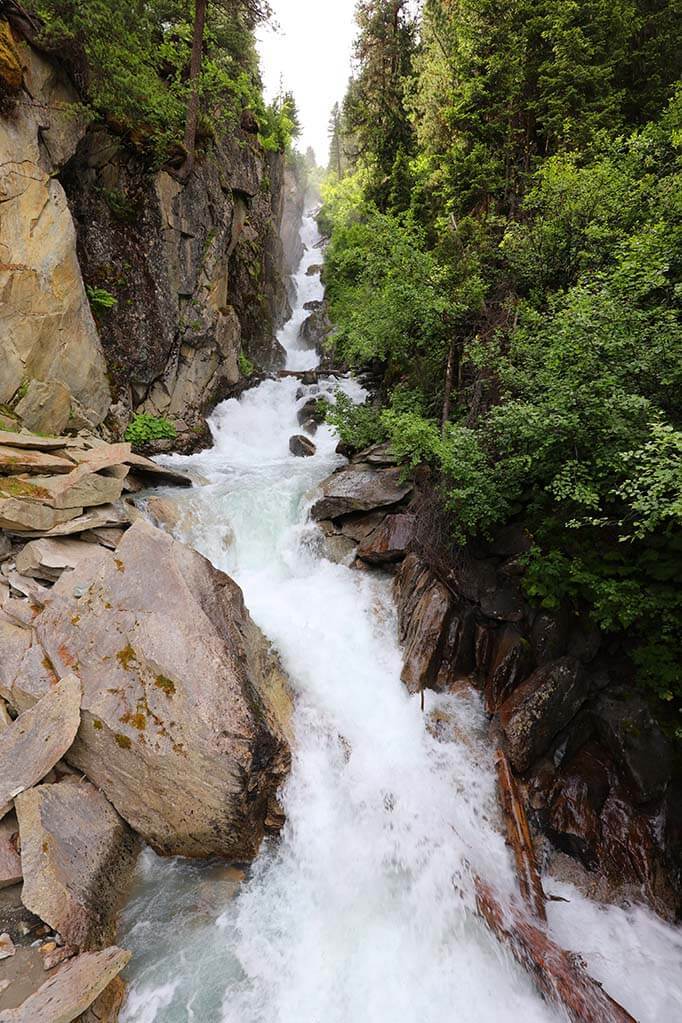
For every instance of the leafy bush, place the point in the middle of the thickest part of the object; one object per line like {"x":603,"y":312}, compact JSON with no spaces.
{"x":144,"y":428}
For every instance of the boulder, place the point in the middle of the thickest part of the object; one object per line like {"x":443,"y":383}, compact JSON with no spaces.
{"x":312,"y":413}
{"x":106,"y":1008}
{"x":33,"y":442}
{"x":48,"y":558}
{"x":15,"y":641}
{"x":34,"y":678}
{"x":106,"y":516}
{"x":10,"y":859}
{"x":45,"y":407}
{"x":301,"y":447}
{"x":540,"y":708}
{"x":390,"y":541}
{"x":153,"y":474}
{"x":77,"y":857}
{"x":186,"y":711}
{"x":79,"y":491}
{"x":360,"y":488}
{"x":315,"y":328}
{"x":39,"y":737}
{"x":377,"y":454}
{"x":510,"y":663}
{"x":71,"y":990}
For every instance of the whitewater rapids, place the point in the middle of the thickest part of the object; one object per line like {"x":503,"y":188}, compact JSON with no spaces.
{"x":363,"y":911}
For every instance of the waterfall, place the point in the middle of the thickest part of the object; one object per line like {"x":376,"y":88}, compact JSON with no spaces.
{"x":363,"y":910}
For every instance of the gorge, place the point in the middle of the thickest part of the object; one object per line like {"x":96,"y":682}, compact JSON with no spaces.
{"x":286,"y":731}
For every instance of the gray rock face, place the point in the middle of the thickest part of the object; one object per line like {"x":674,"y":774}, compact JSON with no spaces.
{"x":540,"y":707}
{"x":47,"y":332}
{"x":185,"y":710}
{"x":77,"y":856}
{"x":204,"y":271}
{"x":316,"y":328}
{"x":360,"y":487}
{"x":71,"y":990}
{"x":33,"y":744}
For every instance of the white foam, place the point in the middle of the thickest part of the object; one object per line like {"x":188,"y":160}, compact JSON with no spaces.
{"x":363,"y":912}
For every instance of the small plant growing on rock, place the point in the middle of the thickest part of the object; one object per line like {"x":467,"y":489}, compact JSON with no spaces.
{"x":101,"y":300}
{"x":246,"y":367}
{"x":144,"y":428}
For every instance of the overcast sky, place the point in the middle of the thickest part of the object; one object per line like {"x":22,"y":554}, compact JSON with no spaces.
{"x":311,"y":51}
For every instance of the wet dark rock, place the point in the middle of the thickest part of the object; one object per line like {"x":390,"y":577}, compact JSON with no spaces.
{"x":312,"y":414}
{"x":639,"y":747}
{"x":344,"y":448}
{"x":316,"y":328}
{"x":511,"y":662}
{"x":540,"y":708}
{"x":548,"y":636}
{"x":424,"y":642}
{"x":301,"y":447}
{"x":390,"y":541}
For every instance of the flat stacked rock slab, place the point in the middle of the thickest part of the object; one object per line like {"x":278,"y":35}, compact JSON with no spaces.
{"x":40,"y":737}
{"x":77,"y":856}
{"x":71,"y":990}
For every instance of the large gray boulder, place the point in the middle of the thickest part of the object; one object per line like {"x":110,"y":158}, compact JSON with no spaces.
{"x":360,"y":487}
{"x":77,"y":856}
{"x":185,"y":711}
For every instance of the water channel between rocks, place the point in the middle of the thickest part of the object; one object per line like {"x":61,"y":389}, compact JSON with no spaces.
{"x":363,"y":910}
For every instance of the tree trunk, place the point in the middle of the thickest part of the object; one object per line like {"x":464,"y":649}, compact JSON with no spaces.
{"x":195,"y":72}
{"x":447,"y":398}
{"x":519,"y":838}
{"x":558,"y":974}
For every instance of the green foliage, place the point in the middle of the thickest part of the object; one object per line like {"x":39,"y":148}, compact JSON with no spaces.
{"x":101,"y":300}
{"x":144,"y":428}
{"x":357,"y":425}
{"x":246,"y":367}
{"x":134,"y":67}
{"x":527,"y":232}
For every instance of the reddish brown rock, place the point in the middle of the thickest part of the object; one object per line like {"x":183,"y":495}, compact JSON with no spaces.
{"x":390,"y":541}
{"x":425,"y":638}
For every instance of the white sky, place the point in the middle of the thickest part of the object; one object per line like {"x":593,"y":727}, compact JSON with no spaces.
{"x":311,"y":51}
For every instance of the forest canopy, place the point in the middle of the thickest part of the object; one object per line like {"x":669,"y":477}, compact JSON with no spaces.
{"x":132,"y":64}
{"x":504,"y":204}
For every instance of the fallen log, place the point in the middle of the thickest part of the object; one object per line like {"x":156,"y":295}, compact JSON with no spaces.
{"x":519,"y":837}
{"x":559,"y":975}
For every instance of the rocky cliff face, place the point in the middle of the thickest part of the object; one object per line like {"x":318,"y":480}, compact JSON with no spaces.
{"x":47,"y":331}
{"x":195,"y":271}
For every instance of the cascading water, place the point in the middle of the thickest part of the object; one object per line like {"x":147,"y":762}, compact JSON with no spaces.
{"x":362,"y":912}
